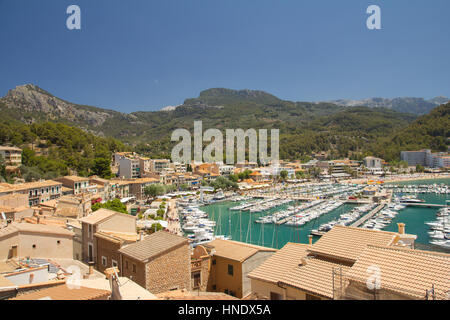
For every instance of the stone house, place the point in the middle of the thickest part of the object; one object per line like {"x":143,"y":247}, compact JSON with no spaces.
{"x":160,"y":262}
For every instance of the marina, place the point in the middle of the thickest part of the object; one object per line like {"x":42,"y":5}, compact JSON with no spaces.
{"x":280,"y":224}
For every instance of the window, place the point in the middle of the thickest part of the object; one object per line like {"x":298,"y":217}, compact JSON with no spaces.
{"x":34,"y":246}
{"x":226,"y":291}
{"x":230,"y":270}
{"x":104,"y":261}
{"x":214,"y":287}
{"x":311,"y":297}
{"x":134,"y":268}
{"x":214,"y":262}
{"x":90,"y":230}
{"x":90,"y":252}
{"x":126,"y":264}
{"x":58,"y":242}
{"x":114,"y":263}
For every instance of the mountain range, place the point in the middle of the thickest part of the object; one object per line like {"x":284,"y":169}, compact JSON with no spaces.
{"x":342,"y":128}
{"x":410,"y":105}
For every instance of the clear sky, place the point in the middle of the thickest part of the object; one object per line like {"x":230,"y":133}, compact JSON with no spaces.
{"x":145,"y":54}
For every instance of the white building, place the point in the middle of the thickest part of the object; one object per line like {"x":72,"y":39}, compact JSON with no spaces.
{"x":372,"y":162}
{"x":426,"y":158}
{"x":277,"y":170}
{"x":226,"y":169}
{"x":129,"y":168}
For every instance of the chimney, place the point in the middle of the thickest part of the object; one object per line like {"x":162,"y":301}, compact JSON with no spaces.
{"x":401,"y":228}
{"x":91,"y":267}
{"x":310,"y":237}
{"x":112,"y":275}
{"x":141,"y":235}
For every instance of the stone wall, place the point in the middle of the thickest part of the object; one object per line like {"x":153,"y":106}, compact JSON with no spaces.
{"x":171,"y":270}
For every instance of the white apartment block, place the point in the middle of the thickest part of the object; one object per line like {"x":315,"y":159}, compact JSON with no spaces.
{"x":426,"y":158}
{"x":159,"y":165}
{"x":129,"y":168}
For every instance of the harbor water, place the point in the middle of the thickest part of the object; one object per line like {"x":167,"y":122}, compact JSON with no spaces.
{"x":240,"y":225}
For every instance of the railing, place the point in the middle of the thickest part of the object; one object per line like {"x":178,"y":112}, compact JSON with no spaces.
{"x":196,"y":264}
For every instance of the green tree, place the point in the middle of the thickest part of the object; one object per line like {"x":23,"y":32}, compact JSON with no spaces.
{"x":403,"y":164}
{"x":184,"y":187}
{"x":114,"y":205}
{"x":283,"y":174}
{"x":154,"y":190}
{"x":155,"y":228}
{"x":102,"y":168}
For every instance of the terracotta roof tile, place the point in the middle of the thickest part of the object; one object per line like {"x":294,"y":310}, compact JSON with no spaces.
{"x":153,"y":245}
{"x":348,"y":242}
{"x":315,"y":277}
{"x":283,"y":261}
{"x":406,"y":271}
{"x":63,"y":292}
{"x":98,"y":216}
{"x":34,"y":228}
{"x":235,"y":250}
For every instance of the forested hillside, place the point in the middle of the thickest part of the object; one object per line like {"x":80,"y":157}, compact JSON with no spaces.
{"x":55,"y":149}
{"x":304,"y":127}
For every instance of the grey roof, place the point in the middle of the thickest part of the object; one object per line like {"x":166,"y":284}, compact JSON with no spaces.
{"x":152,"y":245}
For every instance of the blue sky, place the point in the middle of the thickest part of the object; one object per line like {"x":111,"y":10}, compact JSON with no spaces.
{"x":146,"y":54}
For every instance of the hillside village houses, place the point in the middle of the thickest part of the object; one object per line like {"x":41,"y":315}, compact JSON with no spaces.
{"x":12,"y":156}
{"x":48,"y":229}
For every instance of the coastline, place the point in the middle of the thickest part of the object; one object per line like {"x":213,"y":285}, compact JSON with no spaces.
{"x":401,"y":178}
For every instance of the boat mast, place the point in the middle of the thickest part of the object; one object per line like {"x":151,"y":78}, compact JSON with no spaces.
{"x":240,"y":225}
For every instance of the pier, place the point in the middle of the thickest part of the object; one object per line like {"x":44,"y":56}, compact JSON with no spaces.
{"x":367,"y":216}
{"x":357,"y":223}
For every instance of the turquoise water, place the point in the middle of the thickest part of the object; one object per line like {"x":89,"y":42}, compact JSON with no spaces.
{"x":241,"y":226}
{"x":415,"y":218}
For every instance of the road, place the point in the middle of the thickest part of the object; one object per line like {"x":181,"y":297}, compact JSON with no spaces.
{"x":173,"y":220}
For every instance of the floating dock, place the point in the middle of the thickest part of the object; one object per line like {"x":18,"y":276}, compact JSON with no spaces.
{"x":368,"y":216}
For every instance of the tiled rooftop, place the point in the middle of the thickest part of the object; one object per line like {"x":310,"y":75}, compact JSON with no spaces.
{"x":64,"y":292}
{"x":6,"y":187}
{"x":347,"y":243}
{"x":406,"y":271}
{"x":98,"y":216}
{"x":316,"y":277}
{"x":234,"y":250}
{"x":279,"y":264}
{"x":152,"y":245}
{"x":34,"y":228}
